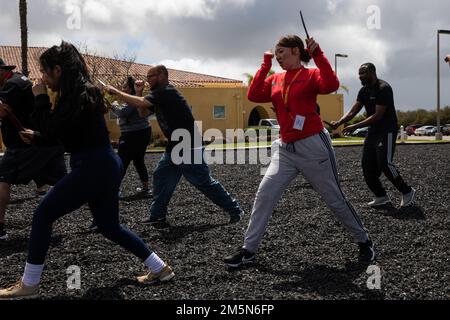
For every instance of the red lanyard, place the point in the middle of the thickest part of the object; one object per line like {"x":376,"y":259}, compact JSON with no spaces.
{"x":285,"y":90}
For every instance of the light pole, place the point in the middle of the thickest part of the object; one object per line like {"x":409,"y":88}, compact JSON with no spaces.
{"x":439,"y":133}
{"x":338,"y":55}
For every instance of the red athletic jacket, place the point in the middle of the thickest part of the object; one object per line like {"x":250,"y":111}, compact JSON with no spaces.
{"x":302,"y":97}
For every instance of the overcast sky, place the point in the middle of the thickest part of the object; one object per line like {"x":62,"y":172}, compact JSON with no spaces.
{"x":228,"y":37}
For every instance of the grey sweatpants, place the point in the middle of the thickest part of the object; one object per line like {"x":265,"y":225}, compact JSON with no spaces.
{"x":313,"y":157}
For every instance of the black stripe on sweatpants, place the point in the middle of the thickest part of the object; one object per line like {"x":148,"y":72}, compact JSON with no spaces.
{"x":336,"y":176}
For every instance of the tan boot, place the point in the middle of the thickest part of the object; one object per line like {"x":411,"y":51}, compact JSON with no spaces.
{"x":164,"y":275}
{"x":19,"y":291}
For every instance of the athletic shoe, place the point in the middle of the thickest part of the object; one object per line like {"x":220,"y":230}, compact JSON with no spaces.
{"x":408,"y":199}
{"x":164,"y":275}
{"x":19,"y":291}
{"x":157,"y":222}
{"x":235,"y":218}
{"x":366,"y":252}
{"x":93,"y":227}
{"x":3,"y":235}
{"x":380,"y":201}
{"x":41,"y":193}
{"x":145,"y":193}
{"x":240,"y":258}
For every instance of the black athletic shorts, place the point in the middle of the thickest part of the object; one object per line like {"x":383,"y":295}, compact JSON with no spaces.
{"x":44,"y":165}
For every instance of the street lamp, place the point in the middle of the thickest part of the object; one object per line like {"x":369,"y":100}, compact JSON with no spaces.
{"x":439,"y":133}
{"x":338,"y":55}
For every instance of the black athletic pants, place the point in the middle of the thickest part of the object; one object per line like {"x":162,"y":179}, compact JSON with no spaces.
{"x":132,"y":147}
{"x":378,"y":158}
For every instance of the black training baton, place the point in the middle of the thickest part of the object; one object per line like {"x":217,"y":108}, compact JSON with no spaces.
{"x":304,"y":25}
{"x":327,"y":123}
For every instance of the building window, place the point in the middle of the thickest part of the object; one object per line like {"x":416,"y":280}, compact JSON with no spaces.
{"x":219,"y":112}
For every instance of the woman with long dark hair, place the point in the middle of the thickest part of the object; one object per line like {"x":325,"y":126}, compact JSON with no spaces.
{"x":135,"y":136}
{"x":78,"y":121}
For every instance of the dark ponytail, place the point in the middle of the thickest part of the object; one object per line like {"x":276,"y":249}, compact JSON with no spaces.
{"x":130,"y":83}
{"x":75,"y":82}
{"x":293,"y":41}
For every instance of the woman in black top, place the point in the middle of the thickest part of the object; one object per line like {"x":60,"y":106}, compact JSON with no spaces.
{"x":78,"y":121}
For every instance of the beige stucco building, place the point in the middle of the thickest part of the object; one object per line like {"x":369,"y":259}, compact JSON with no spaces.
{"x":219,"y":103}
{"x":239,"y":113}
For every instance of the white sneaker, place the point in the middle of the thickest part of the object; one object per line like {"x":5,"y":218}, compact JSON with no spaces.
{"x":380,"y":201}
{"x":408,"y":199}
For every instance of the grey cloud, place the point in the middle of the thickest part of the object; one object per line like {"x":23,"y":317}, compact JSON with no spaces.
{"x":243,"y":33}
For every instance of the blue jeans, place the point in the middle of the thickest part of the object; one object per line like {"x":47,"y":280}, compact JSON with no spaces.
{"x":167,"y":175}
{"x":94,"y":180}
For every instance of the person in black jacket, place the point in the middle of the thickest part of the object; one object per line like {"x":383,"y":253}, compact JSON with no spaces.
{"x":21,"y":162}
{"x":78,"y":121}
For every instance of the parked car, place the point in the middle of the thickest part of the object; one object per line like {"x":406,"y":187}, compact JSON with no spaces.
{"x":361,"y":132}
{"x":272,"y":123}
{"x":426,"y":131}
{"x":446,"y":130}
{"x":410,"y":130}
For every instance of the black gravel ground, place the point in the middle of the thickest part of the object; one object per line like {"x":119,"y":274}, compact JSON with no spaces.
{"x":305,"y":253}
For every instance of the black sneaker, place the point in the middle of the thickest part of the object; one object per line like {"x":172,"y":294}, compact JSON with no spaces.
{"x":93,"y":227}
{"x":366,"y":252}
{"x":235,"y":218}
{"x":41,"y":193}
{"x":240,"y":258}
{"x":3,"y":235}
{"x":157,"y":222}
{"x":143,"y":193}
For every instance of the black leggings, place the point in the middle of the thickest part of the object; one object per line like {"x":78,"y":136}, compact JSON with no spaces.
{"x":94,"y":180}
{"x":132,"y":147}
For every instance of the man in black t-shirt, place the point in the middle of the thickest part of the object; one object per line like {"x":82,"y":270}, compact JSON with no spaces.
{"x":183,"y":156}
{"x":377,"y":97}
{"x":22,"y":162}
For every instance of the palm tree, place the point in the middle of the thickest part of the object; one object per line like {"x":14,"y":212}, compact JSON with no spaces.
{"x":24,"y":35}
{"x":345,"y":88}
{"x":250,"y":76}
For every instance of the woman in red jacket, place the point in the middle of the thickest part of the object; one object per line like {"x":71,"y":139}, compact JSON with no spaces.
{"x":305,"y":146}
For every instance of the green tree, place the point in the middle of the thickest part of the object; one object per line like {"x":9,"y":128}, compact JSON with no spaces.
{"x":422,"y":116}
{"x":250,"y":76}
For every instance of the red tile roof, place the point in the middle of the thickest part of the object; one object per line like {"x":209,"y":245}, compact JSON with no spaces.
{"x":113,"y":71}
